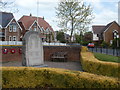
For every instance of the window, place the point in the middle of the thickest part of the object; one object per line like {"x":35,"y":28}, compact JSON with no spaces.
{"x":2,"y":33}
{"x":35,"y":29}
{"x":14,"y":38}
{"x":14,"y":28}
{"x":10,"y":38}
{"x":42,"y":39}
{"x":111,"y":41}
{"x":10,"y":28}
{"x":97,"y":35}
{"x":115,"y":34}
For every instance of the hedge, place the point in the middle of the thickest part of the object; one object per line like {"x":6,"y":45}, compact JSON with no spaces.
{"x":29,"y":77}
{"x":92,"y":65}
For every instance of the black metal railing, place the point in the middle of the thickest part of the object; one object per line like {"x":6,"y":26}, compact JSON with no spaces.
{"x":108,"y":51}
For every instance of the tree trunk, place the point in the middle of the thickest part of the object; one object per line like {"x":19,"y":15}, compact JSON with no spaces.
{"x":71,"y":30}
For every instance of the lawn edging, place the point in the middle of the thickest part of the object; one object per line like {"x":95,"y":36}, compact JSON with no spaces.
{"x":30,"y":77}
{"x":92,"y":65}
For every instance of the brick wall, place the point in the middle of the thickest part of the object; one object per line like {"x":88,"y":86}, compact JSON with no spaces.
{"x":9,"y":56}
{"x":109,"y":32}
{"x":73,"y":52}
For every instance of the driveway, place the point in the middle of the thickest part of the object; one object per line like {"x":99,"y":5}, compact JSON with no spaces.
{"x":65,"y":65}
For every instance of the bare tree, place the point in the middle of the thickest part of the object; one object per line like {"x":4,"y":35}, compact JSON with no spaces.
{"x":73,"y":16}
{"x":8,"y":6}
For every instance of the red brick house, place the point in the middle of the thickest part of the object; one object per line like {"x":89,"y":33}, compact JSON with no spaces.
{"x":106,"y":32}
{"x":30,"y":23}
{"x":10,"y":30}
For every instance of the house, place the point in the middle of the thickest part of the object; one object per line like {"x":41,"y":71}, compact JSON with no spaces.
{"x":73,"y":39}
{"x":67,"y":37}
{"x":62,"y":35}
{"x":30,"y":23}
{"x":106,"y":33}
{"x":10,"y":30}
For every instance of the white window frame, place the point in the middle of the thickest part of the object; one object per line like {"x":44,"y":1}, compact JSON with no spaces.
{"x":115,"y":33}
{"x":14,"y":38}
{"x":14,"y":28}
{"x":10,"y":38}
{"x":10,"y":28}
{"x":35,"y":28}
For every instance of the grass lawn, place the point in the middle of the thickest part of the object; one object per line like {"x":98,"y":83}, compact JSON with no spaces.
{"x":107,"y":58}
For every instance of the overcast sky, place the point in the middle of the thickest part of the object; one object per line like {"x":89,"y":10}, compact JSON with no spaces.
{"x":105,"y":11}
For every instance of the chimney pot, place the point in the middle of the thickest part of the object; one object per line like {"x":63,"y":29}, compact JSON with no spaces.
{"x":30,"y":14}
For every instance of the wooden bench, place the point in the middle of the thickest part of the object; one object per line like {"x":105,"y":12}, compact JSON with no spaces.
{"x":59,"y":56}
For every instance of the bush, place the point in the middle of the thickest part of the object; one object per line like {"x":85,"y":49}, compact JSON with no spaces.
{"x":104,"y":44}
{"x":114,"y":44}
{"x":84,"y":49}
{"x":85,"y":43}
{"x":29,"y":77}
{"x":92,"y":65}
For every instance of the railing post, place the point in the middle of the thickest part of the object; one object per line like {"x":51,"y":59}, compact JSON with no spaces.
{"x":96,"y":49}
{"x":92,"y":49}
{"x":101,"y":49}
{"x":113,"y":51}
{"x":116,"y":52}
{"x":106,"y":50}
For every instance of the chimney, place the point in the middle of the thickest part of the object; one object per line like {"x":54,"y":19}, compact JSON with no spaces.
{"x":119,"y":12}
{"x":43,"y":17}
{"x":30,"y":14}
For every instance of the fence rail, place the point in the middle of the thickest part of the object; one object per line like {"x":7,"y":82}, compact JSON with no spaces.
{"x":54,"y":44}
{"x":44,"y":43}
{"x":108,"y":51}
{"x":10,"y":42}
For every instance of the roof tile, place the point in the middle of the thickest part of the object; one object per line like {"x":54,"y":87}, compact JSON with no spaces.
{"x":29,"y":20}
{"x":98,"y":29}
{"x":6,"y":18}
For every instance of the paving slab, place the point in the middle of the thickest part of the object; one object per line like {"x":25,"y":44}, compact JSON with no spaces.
{"x":65,"y":65}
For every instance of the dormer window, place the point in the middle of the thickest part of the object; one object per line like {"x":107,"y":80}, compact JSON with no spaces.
{"x":14,"y":28}
{"x":35,"y":29}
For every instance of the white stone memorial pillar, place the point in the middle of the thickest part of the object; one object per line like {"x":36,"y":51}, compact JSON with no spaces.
{"x":32,"y":49}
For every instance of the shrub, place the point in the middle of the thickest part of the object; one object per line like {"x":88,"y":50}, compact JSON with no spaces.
{"x":104,"y":44}
{"x":84,"y":49}
{"x":84,"y":43}
{"x":114,"y":44}
{"x":92,"y":65}
{"x":29,"y":77}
